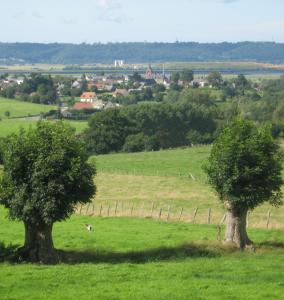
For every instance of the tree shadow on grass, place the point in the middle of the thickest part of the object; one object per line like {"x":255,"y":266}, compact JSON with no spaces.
{"x":144,"y":256}
{"x":7,"y":253}
{"x":272,"y":244}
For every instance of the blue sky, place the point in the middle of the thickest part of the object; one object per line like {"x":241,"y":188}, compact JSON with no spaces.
{"x":93,"y":21}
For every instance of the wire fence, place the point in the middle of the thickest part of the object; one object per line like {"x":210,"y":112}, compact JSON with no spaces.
{"x":168,"y":213}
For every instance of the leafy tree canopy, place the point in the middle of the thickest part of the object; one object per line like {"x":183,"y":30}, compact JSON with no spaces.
{"x":245,"y":166}
{"x":46,"y":174}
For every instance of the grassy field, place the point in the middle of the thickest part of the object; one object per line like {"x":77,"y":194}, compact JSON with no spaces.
{"x":22,"y":109}
{"x":8,"y":126}
{"x":146,"y":259}
{"x":168,"y":180}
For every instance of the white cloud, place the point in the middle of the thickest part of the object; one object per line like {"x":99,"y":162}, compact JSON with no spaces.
{"x":110,"y":11}
{"x":108,"y":4}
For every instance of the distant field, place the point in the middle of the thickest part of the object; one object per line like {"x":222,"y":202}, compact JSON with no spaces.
{"x":259,"y":70}
{"x":22,"y":109}
{"x":166,"y":179}
{"x":8,"y":126}
{"x":177,"y":162}
{"x":126,"y":258}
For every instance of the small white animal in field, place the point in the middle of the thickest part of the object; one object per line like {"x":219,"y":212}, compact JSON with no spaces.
{"x":89,"y":227}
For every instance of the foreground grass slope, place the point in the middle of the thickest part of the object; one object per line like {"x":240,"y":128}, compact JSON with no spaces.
{"x":125,"y":258}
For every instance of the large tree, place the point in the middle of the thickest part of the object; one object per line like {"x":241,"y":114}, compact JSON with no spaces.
{"x":46,"y":174}
{"x":245,"y":169}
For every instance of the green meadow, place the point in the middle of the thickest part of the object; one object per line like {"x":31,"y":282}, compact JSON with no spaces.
{"x":146,"y":259}
{"x":22,"y":109}
{"x":9,"y":126}
{"x":149,"y":250}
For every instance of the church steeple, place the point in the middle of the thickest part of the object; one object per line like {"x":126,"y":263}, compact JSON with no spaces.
{"x":150,"y":74}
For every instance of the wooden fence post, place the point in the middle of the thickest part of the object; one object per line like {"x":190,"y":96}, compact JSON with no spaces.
{"x":169,"y":212}
{"x":115,"y":211}
{"x":88,"y":208}
{"x":180,"y":215}
{"x":194,"y":215}
{"x":160,"y":213}
{"x":268,"y":218}
{"x":101,"y":209}
{"x":209,"y":216}
{"x":131,"y":211}
{"x":93,"y":210}
{"x":108,"y":209}
{"x":81,"y":209}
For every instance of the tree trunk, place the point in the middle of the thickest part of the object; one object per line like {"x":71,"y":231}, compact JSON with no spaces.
{"x":38,"y":245}
{"x":236,"y":232}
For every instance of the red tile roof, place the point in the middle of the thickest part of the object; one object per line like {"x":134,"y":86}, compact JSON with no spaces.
{"x":82,"y":105}
{"x":88,"y":95}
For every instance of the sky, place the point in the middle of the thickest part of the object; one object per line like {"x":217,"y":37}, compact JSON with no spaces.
{"x":92,"y":21}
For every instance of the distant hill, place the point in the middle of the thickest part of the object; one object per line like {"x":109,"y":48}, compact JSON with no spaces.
{"x":58,"y":53}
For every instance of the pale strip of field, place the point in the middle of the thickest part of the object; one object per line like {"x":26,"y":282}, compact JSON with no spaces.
{"x":244,"y":65}
{"x":138,"y":195}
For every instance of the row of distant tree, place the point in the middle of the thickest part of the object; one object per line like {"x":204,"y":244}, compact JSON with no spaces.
{"x":150,"y":127}
{"x":141,"y":52}
{"x":36,"y":88}
{"x":186,"y":117}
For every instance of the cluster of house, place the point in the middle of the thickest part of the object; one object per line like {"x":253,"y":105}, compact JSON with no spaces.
{"x":108,"y":84}
{"x":9,"y":81}
{"x":88,"y":100}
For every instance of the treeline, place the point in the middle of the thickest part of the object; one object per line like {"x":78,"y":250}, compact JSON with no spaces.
{"x":187,"y":116}
{"x":140,"y":52}
{"x":150,"y":127}
{"x":36,"y":89}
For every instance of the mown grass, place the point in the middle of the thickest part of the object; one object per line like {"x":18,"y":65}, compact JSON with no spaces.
{"x":178,"y":162}
{"x":22,"y":109}
{"x":125,"y":258}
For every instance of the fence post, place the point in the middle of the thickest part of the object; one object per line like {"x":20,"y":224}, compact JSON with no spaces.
{"x":209,"y":216}
{"x":81,"y":209}
{"x":268,"y":218}
{"x":169,"y":212}
{"x":131,"y":211}
{"x":180,"y":215}
{"x":108,"y":209}
{"x":101,"y":209}
{"x":93,"y":210}
{"x":115,"y":211}
{"x":88,"y":208}
{"x":194,"y":214}
{"x":160,"y":213}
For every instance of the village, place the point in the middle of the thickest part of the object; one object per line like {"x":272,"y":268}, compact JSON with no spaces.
{"x":88,"y":93}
